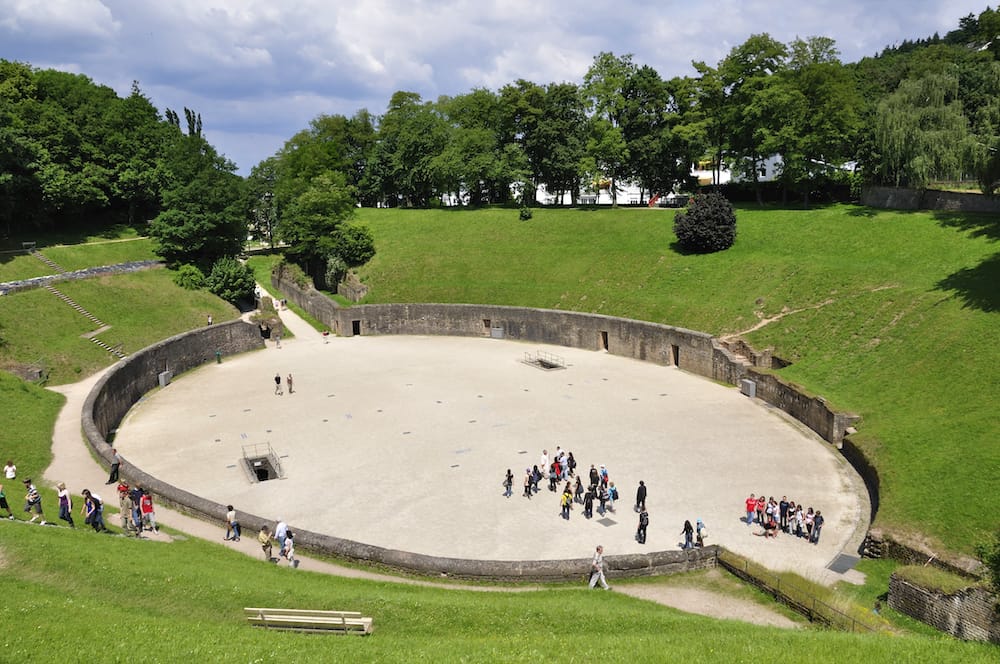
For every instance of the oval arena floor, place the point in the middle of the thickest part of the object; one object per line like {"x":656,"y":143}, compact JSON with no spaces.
{"x":403,"y":442}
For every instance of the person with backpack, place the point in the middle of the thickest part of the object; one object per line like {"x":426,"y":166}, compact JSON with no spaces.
{"x":612,"y":497}
{"x":566,"y":501}
{"x":508,"y":484}
{"x":640,"y":534}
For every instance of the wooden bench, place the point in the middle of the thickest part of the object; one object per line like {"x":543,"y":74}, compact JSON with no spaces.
{"x":306,"y":620}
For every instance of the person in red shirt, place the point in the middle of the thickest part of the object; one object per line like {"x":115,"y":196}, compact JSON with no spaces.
{"x":761,"y":506}
{"x":751,"y":508}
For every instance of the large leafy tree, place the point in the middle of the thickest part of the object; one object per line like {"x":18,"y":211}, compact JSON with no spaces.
{"x":604,"y":86}
{"x":749,"y":74}
{"x":558,"y":141}
{"x":313,"y":222}
{"x":203,"y":217}
{"x":920,"y":132}
{"x":522,"y":107}
{"x":411,"y":134}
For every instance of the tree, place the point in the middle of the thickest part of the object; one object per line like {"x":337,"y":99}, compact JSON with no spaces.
{"x":817,"y":106}
{"x":920,"y":133}
{"x":707,"y":225}
{"x":203,"y":217}
{"x":558,"y":141}
{"x":749,"y":73}
{"x":311,"y":224}
{"x":604,"y":86}
{"x":231,"y":280}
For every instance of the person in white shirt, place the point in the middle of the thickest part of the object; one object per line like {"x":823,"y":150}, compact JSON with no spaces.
{"x":597,"y":569}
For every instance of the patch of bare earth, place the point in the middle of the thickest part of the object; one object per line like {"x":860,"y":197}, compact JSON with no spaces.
{"x":709,"y":603}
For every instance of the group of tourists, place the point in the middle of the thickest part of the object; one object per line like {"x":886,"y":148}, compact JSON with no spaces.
{"x":562,"y":468}
{"x":277,"y":384}
{"x":595,"y":487}
{"x":135,"y":504}
{"x":285,"y":538}
{"x":785,"y":516}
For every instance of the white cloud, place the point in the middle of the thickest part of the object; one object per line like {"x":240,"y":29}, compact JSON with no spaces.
{"x":258,"y":71}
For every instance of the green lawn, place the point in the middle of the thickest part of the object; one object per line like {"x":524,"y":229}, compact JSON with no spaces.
{"x":893,"y":315}
{"x":79,"y":596}
{"x":893,"y":320}
{"x":141,"y":308}
{"x":104,"y":252}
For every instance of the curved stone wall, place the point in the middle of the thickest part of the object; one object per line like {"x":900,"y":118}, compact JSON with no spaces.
{"x":125,"y":383}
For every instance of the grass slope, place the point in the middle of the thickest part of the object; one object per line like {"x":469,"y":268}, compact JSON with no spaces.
{"x":893,"y":315}
{"x":75,"y":595}
{"x":141,"y":308}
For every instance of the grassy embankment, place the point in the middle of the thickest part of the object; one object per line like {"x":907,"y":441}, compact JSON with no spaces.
{"x":183,"y":599}
{"x":140,"y":308}
{"x":892,"y":315}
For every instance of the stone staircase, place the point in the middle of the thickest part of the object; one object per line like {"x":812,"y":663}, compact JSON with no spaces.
{"x":45,"y":259}
{"x":99,"y":325}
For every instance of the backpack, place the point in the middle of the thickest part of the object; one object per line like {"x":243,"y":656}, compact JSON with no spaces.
{"x":614,"y":493}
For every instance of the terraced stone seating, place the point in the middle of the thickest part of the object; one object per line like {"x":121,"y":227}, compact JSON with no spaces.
{"x":306,"y":620}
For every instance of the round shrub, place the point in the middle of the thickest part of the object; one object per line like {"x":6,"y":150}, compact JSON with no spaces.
{"x":189,"y":277}
{"x":231,"y":280}
{"x":708,"y":224}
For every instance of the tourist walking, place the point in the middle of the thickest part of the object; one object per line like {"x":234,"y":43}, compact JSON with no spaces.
{"x":817,"y":527}
{"x":588,"y":503}
{"x":597,"y":569}
{"x":640,"y":534}
{"x":508,"y":484}
{"x":232,"y":525}
{"x":700,"y":533}
{"x":688,"y":532}
{"x":566,"y":501}
{"x":116,"y":462}
{"x":126,"y":509}
{"x":527,"y":483}
{"x":288,"y":381}
{"x":751,"y":505}
{"x":33,"y":501}
{"x":92,"y":511}
{"x":277,"y":384}
{"x":4,"y":505}
{"x":578,"y":491}
{"x":288,"y":550}
{"x":640,"y":497}
{"x":264,"y":537}
{"x":65,"y":505}
{"x":612,"y":497}
{"x":280,"y":534}
{"x":147,"y":513}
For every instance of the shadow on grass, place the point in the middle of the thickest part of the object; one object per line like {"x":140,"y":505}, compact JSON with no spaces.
{"x":977,"y":224}
{"x":978,"y":287}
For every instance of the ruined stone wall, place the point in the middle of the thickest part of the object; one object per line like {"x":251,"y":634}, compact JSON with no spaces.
{"x":968,"y":614}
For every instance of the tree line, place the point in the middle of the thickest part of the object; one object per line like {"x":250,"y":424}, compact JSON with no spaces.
{"x":922,"y":111}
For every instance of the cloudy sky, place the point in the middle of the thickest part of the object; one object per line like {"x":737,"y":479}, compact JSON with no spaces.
{"x":259,"y":71}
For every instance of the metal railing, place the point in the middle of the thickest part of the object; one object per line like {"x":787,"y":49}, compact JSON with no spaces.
{"x":793,"y":595}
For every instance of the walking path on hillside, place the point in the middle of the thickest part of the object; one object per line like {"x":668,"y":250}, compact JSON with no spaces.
{"x":74,"y":464}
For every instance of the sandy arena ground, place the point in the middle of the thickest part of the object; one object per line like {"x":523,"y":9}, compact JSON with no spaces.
{"x":403,"y":442}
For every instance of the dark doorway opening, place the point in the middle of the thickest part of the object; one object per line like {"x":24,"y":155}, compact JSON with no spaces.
{"x":675,"y":354}
{"x":262,"y":469}
{"x":604,"y":340}
{"x":356,"y":328}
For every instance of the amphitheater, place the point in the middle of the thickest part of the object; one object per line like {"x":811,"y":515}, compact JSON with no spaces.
{"x":394,"y":443}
